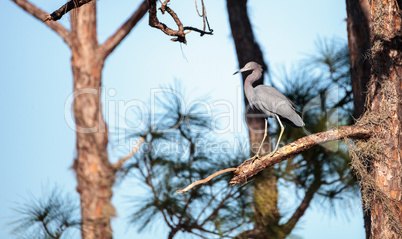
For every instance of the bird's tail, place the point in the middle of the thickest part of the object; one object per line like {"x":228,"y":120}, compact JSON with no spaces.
{"x":295,"y":120}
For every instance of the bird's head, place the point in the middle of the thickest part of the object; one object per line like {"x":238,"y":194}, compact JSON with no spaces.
{"x":249,"y":67}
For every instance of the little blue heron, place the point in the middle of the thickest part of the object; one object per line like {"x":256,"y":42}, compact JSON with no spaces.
{"x":269,"y":101}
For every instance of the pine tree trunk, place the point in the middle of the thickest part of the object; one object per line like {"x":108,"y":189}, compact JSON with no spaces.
{"x":358,"y":27}
{"x":265,"y":194}
{"x":385,"y":113}
{"x":95,"y":174}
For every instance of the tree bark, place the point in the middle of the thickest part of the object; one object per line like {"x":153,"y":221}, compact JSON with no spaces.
{"x":265,"y":194}
{"x":384,"y":94}
{"x":359,"y":35}
{"x":95,"y":174}
{"x":358,"y":27}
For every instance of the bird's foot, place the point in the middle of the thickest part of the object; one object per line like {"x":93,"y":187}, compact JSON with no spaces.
{"x":270,"y":154}
{"x":257,"y":157}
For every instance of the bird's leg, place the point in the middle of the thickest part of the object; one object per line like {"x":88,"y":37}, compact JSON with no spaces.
{"x":263,"y":139}
{"x":280,"y":136}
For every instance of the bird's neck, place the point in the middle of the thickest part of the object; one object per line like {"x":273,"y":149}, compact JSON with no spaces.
{"x":254,"y":76}
{"x":248,"y":84}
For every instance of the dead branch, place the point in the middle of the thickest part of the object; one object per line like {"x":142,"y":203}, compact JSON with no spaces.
{"x":121,"y":161}
{"x":202,"y":181}
{"x":179,"y":34}
{"x":200,"y":31}
{"x":249,"y":168}
{"x":154,"y":22}
{"x":114,"y":40}
{"x":164,"y":6}
{"x":40,"y":15}
{"x":56,"y":15}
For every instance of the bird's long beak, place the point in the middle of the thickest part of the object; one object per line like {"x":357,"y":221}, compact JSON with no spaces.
{"x":241,"y":70}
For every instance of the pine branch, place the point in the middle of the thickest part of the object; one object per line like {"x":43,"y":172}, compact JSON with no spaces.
{"x":251,"y":167}
{"x":40,"y":15}
{"x":214,"y":213}
{"x":114,"y":40}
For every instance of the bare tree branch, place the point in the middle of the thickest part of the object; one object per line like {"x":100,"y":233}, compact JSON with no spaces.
{"x":205,"y":180}
{"x":251,"y":167}
{"x":154,"y":22}
{"x":179,"y":34}
{"x":114,"y":40}
{"x":56,"y":15}
{"x":207,"y":205}
{"x":121,"y":161}
{"x":199,"y":31}
{"x":40,"y":15}
{"x":217,"y":208}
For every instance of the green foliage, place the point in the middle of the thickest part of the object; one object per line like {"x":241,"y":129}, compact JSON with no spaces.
{"x":177,"y":152}
{"x":180,"y":148}
{"x":323,"y":88}
{"x":54,"y":215}
{"x":172,"y":156}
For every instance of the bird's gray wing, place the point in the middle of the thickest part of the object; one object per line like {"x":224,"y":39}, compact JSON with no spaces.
{"x":272,"y":100}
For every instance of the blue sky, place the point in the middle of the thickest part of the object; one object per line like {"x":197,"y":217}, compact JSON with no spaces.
{"x":38,"y":145}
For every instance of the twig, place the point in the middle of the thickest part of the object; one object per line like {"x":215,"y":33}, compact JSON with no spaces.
{"x":200,"y":31}
{"x":164,"y":6}
{"x":196,"y":8}
{"x":217,"y":208}
{"x":202,"y":181}
{"x":204,"y":19}
{"x":121,"y":161}
{"x":56,"y":15}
